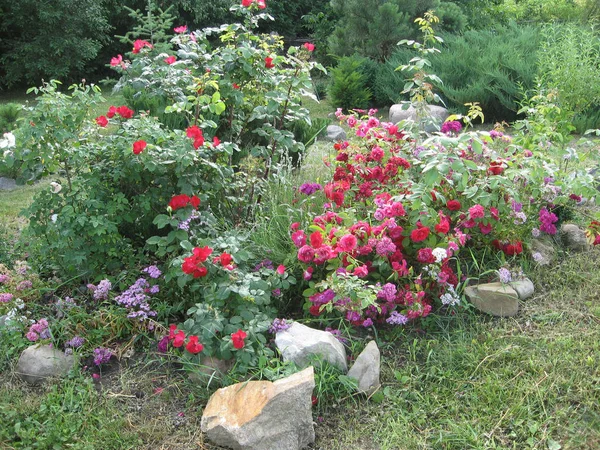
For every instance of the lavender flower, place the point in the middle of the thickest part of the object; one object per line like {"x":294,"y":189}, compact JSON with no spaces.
{"x":102,"y":355}
{"x":185,"y":224}
{"x":100,"y":291}
{"x":136,"y":300}
{"x":75,"y":342}
{"x":367,"y":323}
{"x":397,"y":319}
{"x":4,"y":278}
{"x":264,"y":264}
{"x":279,"y":325}
{"x":385,"y":247}
{"x":5,"y":297}
{"x":537,"y":256}
{"x":24,"y":285}
{"x":504,"y":275}
{"x":152,"y":271}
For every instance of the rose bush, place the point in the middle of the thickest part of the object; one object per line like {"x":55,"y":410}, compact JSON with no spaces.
{"x":387,"y":246}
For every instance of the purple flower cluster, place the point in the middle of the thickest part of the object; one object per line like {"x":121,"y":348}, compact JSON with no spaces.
{"x":5,"y":297}
{"x":4,"y":278}
{"x":102,"y":355}
{"x":136,"y":300}
{"x":24,"y":285}
{"x":453,"y":126}
{"x":185,"y":224}
{"x":152,"y":271}
{"x":397,"y":319}
{"x":100,"y":291}
{"x":264,"y":264}
{"x":385,"y":247}
{"x":310,"y":188}
{"x":504,"y":275}
{"x":38,"y":330}
{"x":547,"y":221}
{"x":388,"y":292}
{"x":279,"y":325}
{"x":322,"y":298}
{"x":75,"y":342}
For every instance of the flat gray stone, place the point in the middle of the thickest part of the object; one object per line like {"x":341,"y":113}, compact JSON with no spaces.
{"x":523,"y":287}
{"x":301,"y":344}
{"x":6,"y":184}
{"x":40,"y":362}
{"x":574,"y":238}
{"x":438,"y":113}
{"x":496,"y":299}
{"x":261,"y":415}
{"x":335,"y":133}
{"x":366,"y":369}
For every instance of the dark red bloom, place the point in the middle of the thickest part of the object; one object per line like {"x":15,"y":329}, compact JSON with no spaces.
{"x":111,"y":112}
{"x":444,"y":226}
{"x":269,"y":63}
{"x":172,"y":331}
{"x":453,"y":205}
{"x":238,"y":339}
{"x":196,"y":134}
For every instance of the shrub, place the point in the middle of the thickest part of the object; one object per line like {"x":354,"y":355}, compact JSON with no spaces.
{"x":399,"y":216}
{"x":9,"y":114}
{"x":491,"y":67}
{"x":569,"y":63}
{"x":348,"y":88}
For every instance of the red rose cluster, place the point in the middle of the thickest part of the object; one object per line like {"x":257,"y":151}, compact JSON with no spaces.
{"x":177,"y":338}
{"x":182,"y":200}
{"x":122,"y":111}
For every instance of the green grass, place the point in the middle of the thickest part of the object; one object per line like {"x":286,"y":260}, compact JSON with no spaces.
{"x":472,"y":382}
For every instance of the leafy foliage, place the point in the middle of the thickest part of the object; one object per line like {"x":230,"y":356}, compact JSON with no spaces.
{"x":348,"y":88}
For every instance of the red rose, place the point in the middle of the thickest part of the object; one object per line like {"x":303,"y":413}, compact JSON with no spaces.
{"x":420,"y":234}
{"x":170,"y":60}
{"x":315,"y":310}
{"x":111,"y":112}
{"x":140,"y":44}
{"x":225,"y":259}
{"x":269,"y":63}
{"x":238,"y":339}
{"x":138,"y":147}
{"x":202,"y":253}
{"x":102,"y":121}
{"x":496,"y":168}
{"x":181,"y":29}
{"x":247,"y":3}
{"x":316,"y":239}
{"x":443,"y":227}
{"x":179,"y":201}
{"x":193,"y":346}
{"x":172,"y":331}
{"x":195,"y":201}
{"x":453,"y":205}
{"x":179,"y":338}
{"x":308,"y":46}
{"x":125,"y":112}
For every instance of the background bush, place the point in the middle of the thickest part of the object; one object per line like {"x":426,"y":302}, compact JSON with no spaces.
{"x":349,"y":85}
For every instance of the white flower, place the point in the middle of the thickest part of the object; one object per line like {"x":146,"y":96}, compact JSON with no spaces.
{"x":53,"y":218}
{"x":8,"y":140}
{"x":450,"y":297}
{"x":440,"y":254}
{"x":55,"y":187}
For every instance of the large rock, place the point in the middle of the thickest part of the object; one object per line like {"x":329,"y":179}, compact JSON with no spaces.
{"x":496,"y":299}
{"x":335,"y":133}
{"x":523,"y":287}
{"x":573,"y":238}
{"x":261,"y":415}
{"x":543,"y":251}
{"x":438,"y":113}
{"x":301,"y":344}
{"x":39,"y":362}
{"x":366,"y":369}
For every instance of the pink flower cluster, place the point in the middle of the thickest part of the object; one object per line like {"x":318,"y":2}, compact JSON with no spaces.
{"x":38,"y":330}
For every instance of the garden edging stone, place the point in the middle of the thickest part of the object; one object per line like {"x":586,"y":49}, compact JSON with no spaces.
{"x":262,"y":415}
{"x":366,"y":369}
{"x":40,"y":362}
{"x":300,"y":344}
{"x":496,"y":299}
